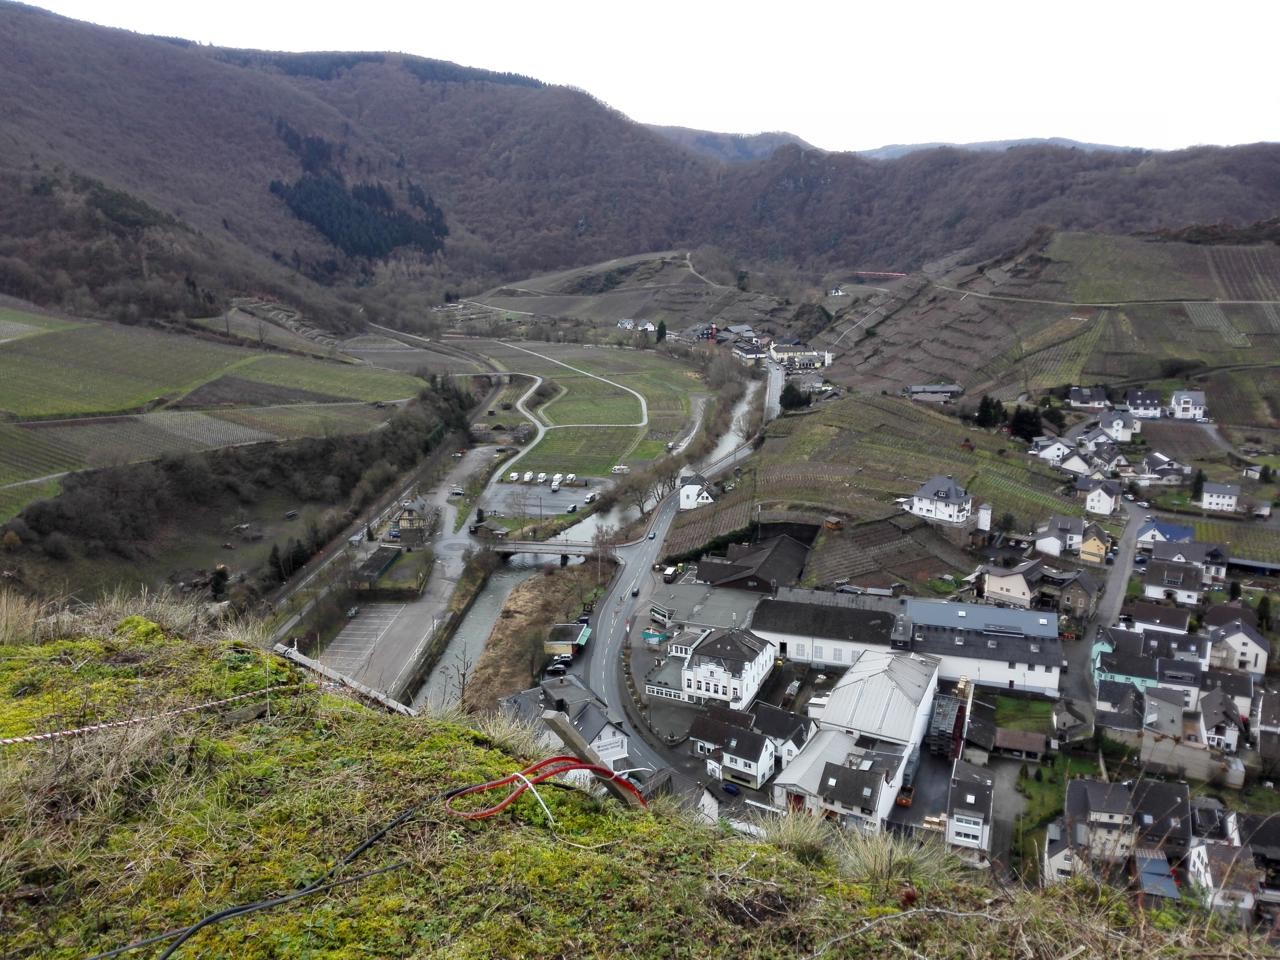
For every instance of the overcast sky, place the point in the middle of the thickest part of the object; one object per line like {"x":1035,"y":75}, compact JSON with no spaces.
{"x":842,"y":75}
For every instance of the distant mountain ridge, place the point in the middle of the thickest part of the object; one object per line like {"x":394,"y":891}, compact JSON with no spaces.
{"x":895,"y":150}
{"x":729,"y":147}
{"x":398,"y":179}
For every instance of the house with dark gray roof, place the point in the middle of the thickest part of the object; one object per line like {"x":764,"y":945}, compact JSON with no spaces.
{"x":1148,"y":404}
{"x":600,"y":726}
{"x":970,"y":813}
{"x":718,"y":667}
{"x":732,"y":751}
{"x":1179,"y":582}
{"x":837,"y":777}
{"x":1211,"y":558}
{"x":1220,"y":496}
{"x":1095,"y":835}
{"x":941,"y":500}
{"x":762,"y":567}
{"x":991,"y":646}
{"x":788,"y":731}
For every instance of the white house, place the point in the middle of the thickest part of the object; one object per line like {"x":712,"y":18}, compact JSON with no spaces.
{"x":724,"y":667}
{"x":941,"y":499}
{"x":1209,"y":557}
{"x":1146,"y":404}
{"x":1187,"y":405}
{"x":1180,"y":582}
{"x":1051,"y":450}
{"x":1220,"y":496}
{"x":970,"y":813}
{"x":1100,"y":497}
{"x":1097,"y":829}
{"x":1012,"y":586}
{"x":800,"y":357}
{"x":695,"y":491}
{"x":1059,"y":535}
{"x":1075,"y":463}
{"x":590,"y":716}
{"x":732,"y":752}
{"x":1120,"y":426}
{"x":1226,"y":878}
{"x":1238,"y":646}
{"x":1220,"y":721}
{"x":1088,"y":398}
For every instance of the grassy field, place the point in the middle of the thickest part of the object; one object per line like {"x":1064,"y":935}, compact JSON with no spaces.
{"x":270,"y":799}
{"x":358,"y":382}
{"x":587,"y":400}
{"x":586,"y":451}
{"x":667,"y":385}
{"x":19,"y":323}
{"x":1015,"y":713}
{"x":103,"y":368}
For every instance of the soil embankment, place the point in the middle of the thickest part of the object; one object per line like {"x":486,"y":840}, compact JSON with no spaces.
{"x":514,"y":653}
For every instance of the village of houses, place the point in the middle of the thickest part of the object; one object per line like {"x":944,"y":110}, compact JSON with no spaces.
{"x":883,"y":711}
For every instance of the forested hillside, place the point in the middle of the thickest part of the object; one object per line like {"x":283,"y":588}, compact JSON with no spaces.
{"x":144,"y":177}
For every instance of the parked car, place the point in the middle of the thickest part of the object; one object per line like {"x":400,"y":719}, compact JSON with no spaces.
{"x":1144,"y":505}
{"x":556,"y":669}
{"x":354,"y":611}
{"x":1130,"y":496}
{"x":513,"y":476}
{"x":730,"y":788}
{"x":573,"y":508}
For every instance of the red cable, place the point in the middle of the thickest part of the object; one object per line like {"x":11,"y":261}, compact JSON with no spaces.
{"x":531,"y":775}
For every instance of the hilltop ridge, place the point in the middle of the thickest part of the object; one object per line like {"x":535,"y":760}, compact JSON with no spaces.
{"x":378,"y":182}
{"x":129,"y":832}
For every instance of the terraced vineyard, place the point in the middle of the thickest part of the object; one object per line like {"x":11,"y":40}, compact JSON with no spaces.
{"x":1247,"y":273}
{"x":860,"y":454}
{"x":44,"y":448}
{"x":1209,"y":316}
{"x":1246,"y":539}
{"x":357,"y":381}
{"x":101,"y":368}
{"x":1251,"y":396}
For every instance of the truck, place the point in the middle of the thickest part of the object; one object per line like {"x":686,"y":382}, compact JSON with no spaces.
{"x":669,"y":575}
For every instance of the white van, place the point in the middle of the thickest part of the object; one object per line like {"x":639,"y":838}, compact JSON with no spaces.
{"x":528,"y":477}
{"x":557,"y":478}
{"x":570,"y":478}
{"x":542,"y":478}
{"x":513,"y":477}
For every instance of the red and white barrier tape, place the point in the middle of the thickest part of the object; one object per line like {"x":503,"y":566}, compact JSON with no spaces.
{"x":35,"y":737}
